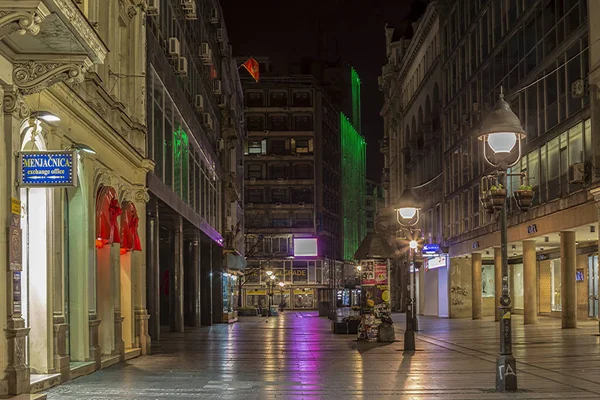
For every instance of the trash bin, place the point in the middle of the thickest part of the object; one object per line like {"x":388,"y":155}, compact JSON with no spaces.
{"x":274,"y":311}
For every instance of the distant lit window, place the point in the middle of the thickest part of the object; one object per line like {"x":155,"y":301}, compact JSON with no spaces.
{"x":303,"y":146}
{"x":254,"y":147}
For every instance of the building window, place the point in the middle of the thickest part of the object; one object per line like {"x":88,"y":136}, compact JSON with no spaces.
{"x":279,"y":196}
{"x":280,"y":245}
{"x":280,"y":220}
{"x":303,"y":219}
{"x":303,"y":146}
{"x":302,"y":195}
{"x":255,"y":196}
{"x":303,"y":123}
{"x":278,"y":171}
{"x":303,"y":171}
{"x":278,"y":123}
{"x":255,"y":99}
{"x":255,"y":123}
{"x":302,"y":99}
{"x":255,"y":147}
{"x":278,"y":146}
{"x":254,"y":171}
{"x":278,"y":99}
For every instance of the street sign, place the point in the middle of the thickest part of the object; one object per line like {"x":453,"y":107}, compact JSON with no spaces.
{"x":431,"y":249}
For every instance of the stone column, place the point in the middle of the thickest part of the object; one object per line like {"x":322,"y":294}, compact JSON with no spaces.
{"x":142,"y":338}
{"x":476,"y":287}
{"x":530,"y":306}
{"x":497,"y":281}
{"x":12,"y":324}
{"x":596,"y":192}
{"x":176,"y":320}
{"x":568,"y":269}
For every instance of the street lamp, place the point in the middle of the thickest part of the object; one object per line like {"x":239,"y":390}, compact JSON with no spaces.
{"x":407,"y":215}
{"x":501,"y":131}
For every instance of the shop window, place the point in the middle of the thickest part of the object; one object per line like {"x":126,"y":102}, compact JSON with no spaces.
{"x":303,"y":123}
{"x":488,"y":288}
{"x":279,"y":245}
{"x":255,"y":99}
{"x":302,"y":99}
{"x":255,"y":123}
{"x":278,"y":99}
{"x":556,"y":292}
{"x":254,"y":171}
{"x":278,"y":123}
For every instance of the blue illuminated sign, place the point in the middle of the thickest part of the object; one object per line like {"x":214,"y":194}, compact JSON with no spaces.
{"x":48,"y":168}
{"x":431,"y":248}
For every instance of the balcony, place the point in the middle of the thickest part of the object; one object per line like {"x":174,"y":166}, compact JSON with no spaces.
{"x":48,"y":41}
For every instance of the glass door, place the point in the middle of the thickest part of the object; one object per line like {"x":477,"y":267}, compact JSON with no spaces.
{"x":593,"y":286}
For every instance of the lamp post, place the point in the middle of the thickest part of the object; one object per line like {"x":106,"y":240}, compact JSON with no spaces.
{"x":270,"y":282}
{"x":407,"y":215}
{"x":501,"y":131}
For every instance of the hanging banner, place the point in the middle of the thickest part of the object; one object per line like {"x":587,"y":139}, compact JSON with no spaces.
{"x":47,"y":168}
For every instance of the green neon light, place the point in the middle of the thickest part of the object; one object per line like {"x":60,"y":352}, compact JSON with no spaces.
{"x":353,"y":187}
{"x":356,"y":111}
{"x":181,"y":163}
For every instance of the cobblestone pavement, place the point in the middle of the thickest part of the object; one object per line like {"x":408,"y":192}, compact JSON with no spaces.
{"x":295,"y":356}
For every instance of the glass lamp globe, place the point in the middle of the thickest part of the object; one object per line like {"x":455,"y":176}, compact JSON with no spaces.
{"x":502,"y":142}
{"x":272,"y":277}
{"x":407,"y":212}
{"x":269,"y":273}
{"x":413,"y":244}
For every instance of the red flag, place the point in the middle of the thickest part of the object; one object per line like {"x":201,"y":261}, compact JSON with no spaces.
{"x":251,"y":66}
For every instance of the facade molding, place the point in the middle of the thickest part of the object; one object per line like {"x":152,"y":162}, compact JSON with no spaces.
{"x":34,"y":76}
{"x":22,"y":18}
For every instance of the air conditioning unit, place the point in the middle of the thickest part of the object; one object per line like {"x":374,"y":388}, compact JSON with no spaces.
{"x":277,"y":204}
{"x":252,"y":179}
{"x":191,"y":14}
{"x":214,"y":16}
{"x":199,"y":103}
{"x":205,"y":51}
{"x":300,"y":204}
{"x":174,"y":49}
{"x":221,"y":34}
{"x":578,"y":89}
{"x":220,"y":144}
{"x":207,"y":120}
{"x":576,"y":173}
{"x":182,"y":66}
{"x":153,"y":8}
{"x":187,"y":4}
{"x":217,"y":87}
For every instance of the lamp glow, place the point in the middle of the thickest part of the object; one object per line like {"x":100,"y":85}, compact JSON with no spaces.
{"x":46,"y":116}
{"x":502,"y":142}
{"x":281,"y":284}
{"x":413,"y":244}
{"x":272,"y":277}
{"x":269,"y":273}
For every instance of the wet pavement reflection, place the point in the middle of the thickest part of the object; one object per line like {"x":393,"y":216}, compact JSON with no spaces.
{"x":295,"y":356}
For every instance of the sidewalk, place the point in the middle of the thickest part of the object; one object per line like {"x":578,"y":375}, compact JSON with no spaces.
{"x":295,"y":356}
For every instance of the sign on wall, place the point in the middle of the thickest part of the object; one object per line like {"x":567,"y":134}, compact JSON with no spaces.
{"x":47,"y":168}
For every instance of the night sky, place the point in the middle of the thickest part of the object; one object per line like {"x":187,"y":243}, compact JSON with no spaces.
{"x":350,"y":29}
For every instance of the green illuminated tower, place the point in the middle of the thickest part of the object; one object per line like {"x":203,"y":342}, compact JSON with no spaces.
{"x":355,"y":80}
{"x":353,"y":187}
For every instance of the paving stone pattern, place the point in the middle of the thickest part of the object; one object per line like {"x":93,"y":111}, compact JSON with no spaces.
{"x":295,"y":356}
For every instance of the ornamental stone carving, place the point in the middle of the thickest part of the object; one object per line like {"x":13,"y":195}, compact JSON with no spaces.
{"x":141,"y":195}
{"x":14,"y":104}
{"x":33,"y":76}
{"x":22,"y":21}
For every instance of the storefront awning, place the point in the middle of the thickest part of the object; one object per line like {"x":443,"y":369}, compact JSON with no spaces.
{"x":233,"y":260}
